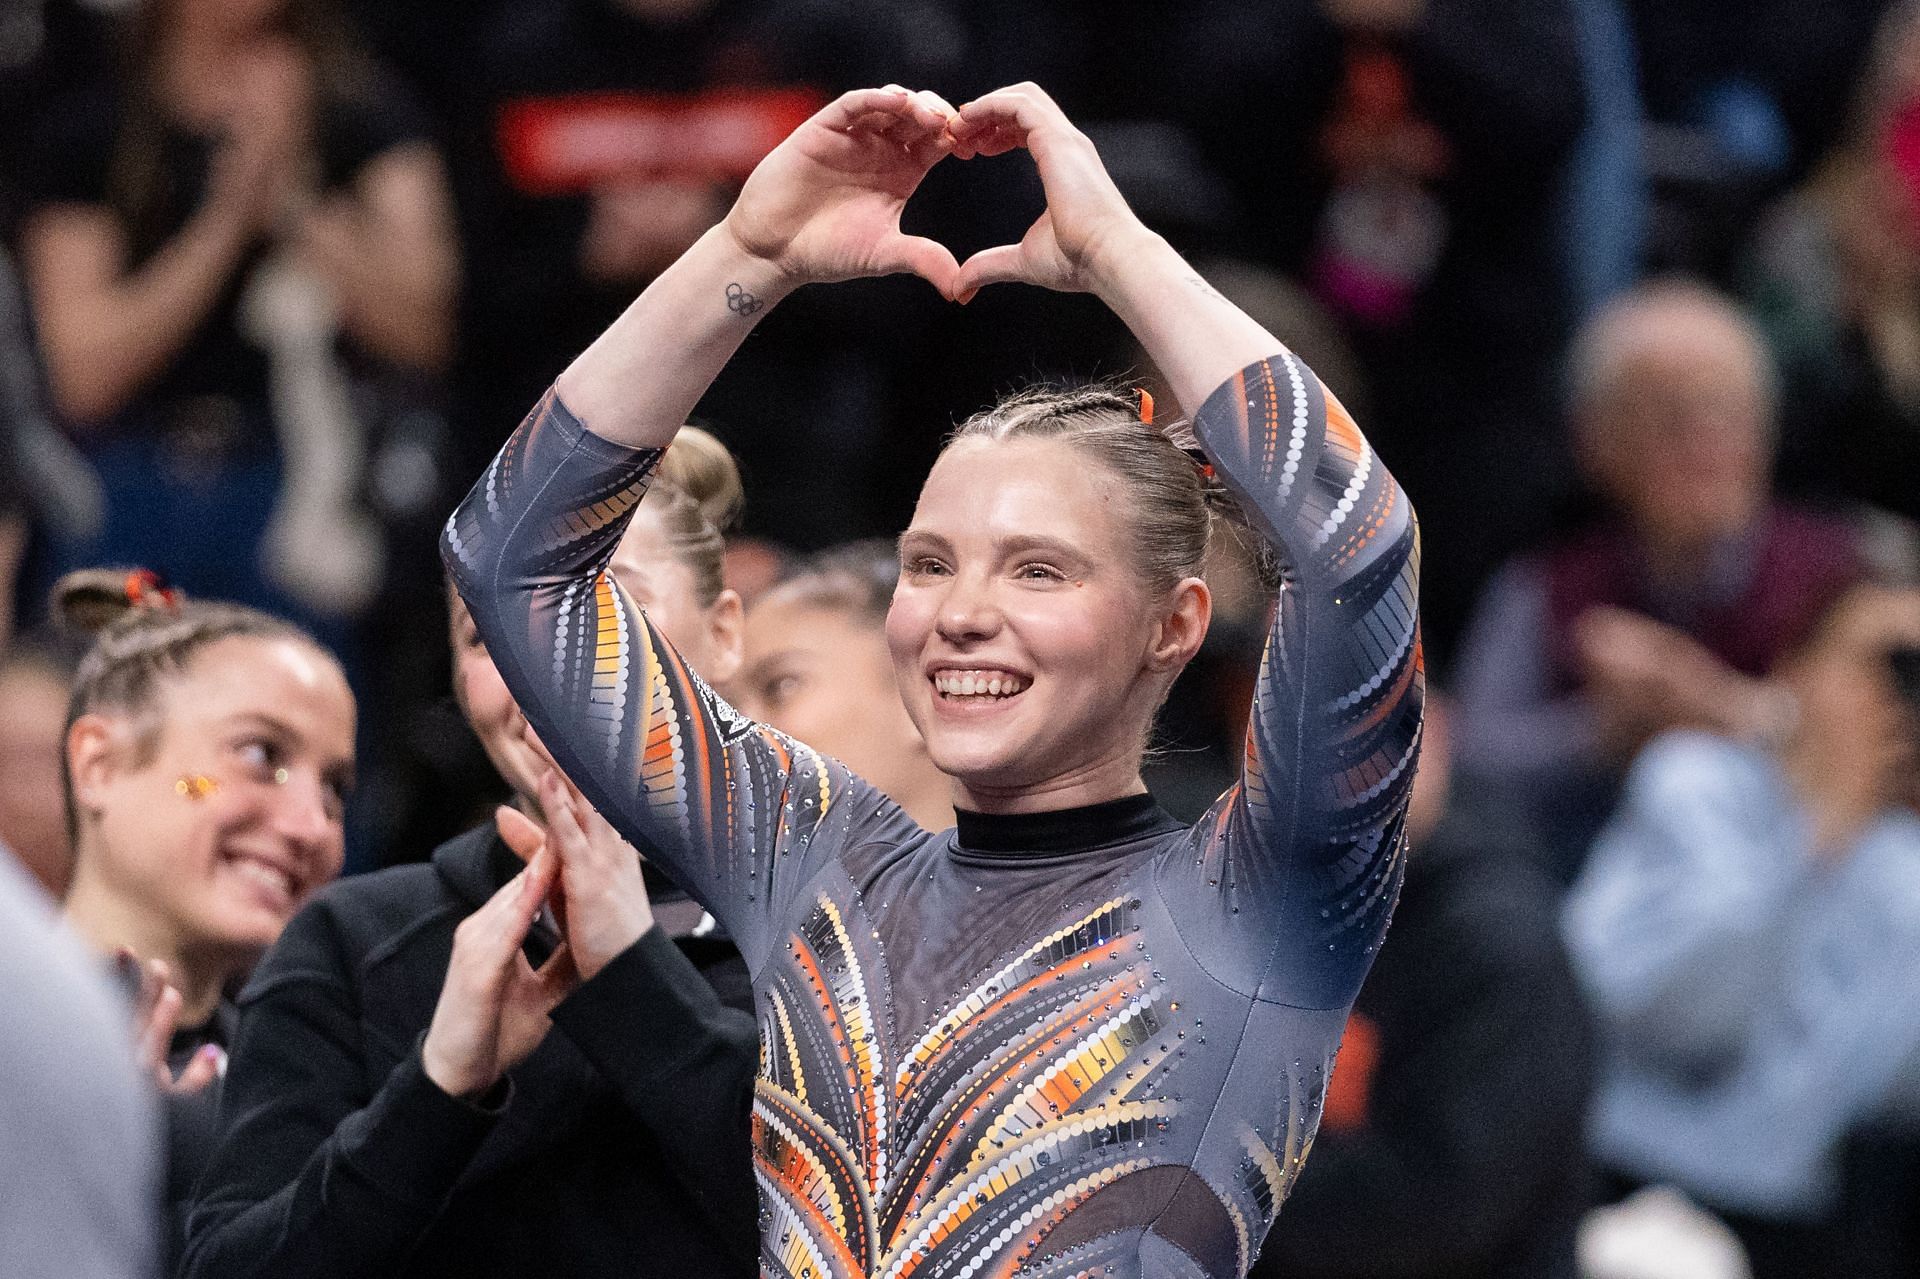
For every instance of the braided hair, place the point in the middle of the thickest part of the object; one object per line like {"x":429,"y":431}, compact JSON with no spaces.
{"x":1176,"y":500}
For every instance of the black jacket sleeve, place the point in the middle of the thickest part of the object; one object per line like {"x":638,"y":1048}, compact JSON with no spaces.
{"x":684,"y":1063}
{"x":314,"y":1176}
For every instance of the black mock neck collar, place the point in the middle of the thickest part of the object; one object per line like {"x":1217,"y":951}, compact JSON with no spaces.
{"x":1064,"y":830}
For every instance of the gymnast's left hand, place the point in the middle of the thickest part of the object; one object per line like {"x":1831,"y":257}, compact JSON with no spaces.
{"x":825,"y":204}
{"x":1087,"y":231}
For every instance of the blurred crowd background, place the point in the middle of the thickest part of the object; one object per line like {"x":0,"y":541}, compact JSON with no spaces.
{"x":1626,"y":292}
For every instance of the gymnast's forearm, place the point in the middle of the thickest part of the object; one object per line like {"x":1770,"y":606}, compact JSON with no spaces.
{"x":640,"y":380}
{"x":1195,"y":337}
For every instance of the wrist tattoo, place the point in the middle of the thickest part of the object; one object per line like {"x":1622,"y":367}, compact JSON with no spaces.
{"x":741,"y":302}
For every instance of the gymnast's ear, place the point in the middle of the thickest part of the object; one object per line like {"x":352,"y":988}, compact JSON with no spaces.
{"x":1182,"y":627}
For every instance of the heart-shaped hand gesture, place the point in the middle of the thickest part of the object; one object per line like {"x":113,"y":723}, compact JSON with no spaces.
{"x":1085,"y":216}
{"x":825,"y":204}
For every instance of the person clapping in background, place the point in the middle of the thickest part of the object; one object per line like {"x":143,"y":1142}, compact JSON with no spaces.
{"x":217,"y":245}
{"x":397,"y":1104}
{"x":1685,"y":586}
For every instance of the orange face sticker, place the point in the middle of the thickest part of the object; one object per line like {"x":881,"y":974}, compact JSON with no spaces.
{"x":196,"y":786}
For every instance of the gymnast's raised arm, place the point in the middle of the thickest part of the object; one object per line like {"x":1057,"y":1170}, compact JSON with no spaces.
{"x":1311,"y":839}
{"x":824,"y":206}
{"x":711,"y":796}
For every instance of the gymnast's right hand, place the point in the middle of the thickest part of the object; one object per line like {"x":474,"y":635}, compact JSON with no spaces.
{"x":493,"y":1005}
{"x":825,"y":204}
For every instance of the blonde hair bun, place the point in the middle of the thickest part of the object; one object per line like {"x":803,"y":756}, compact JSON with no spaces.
{"x":700,"y":468}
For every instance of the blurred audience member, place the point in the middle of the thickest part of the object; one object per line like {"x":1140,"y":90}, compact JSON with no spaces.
{"x":79,"y":1136}
{"x":208,"y":755}
{"x":1603,"y":236}
{"x":1448,"y":1144}
{"x":43,"y":480}
{"x":1666,"y":609}
{"x":1837,"y":285}
{"x":396,"y":1106}
{"x":1742,"y":95}
{"x":604,"y":137}
{"x":224,"y":249}
{"x":1413,"y":156}
{"x":1749,"y":931}
{"x":33,"y":721}
{"x":817,"y":668}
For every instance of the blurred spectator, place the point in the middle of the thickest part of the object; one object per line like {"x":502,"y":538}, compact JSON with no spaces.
{"x":79,"y":1148}
{"x":600,"y":138}
{"x":1605,"y":215}
{"x":1448,"y":1143}
{"x":1741,"y":97}
{"x":1407,"y":159}
{"x":225,"y":249}
{"x":817,"y":668}
{"x":1837,"y":286}
{"x":1749,"y":931}
{"x":43,"y":480}
{"x":1665,"y":609}
{"x":209,"y":750}
{"x":396,"y":1104}
{"x":33,"y":720}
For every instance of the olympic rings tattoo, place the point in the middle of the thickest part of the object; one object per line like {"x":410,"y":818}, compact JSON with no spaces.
{"x":741,"y":302}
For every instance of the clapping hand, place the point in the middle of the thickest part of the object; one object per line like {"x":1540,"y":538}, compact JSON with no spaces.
{"x":494,"y":1005}
{"x":605,"y":894}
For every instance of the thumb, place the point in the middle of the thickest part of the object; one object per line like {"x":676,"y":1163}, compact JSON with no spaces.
{"x":520,"y":833}
{"x":928,"y":259}
{"x":1002,"y":264}
{"x":557,"y":977}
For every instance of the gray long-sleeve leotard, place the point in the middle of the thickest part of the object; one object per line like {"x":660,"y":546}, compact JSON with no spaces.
{"x":1104,"y":1061}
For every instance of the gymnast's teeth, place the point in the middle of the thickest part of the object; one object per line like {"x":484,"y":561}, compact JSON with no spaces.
{"x":978,"y":683}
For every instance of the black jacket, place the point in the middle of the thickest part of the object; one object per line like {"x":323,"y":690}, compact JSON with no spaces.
{"x":617,"y":1148}
{"x":1468,"y":1163}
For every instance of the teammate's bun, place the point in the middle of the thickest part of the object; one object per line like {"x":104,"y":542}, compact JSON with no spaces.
{"x":87,"y":601}
{"x":696,"y":495}
{"x":700,"y":466}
